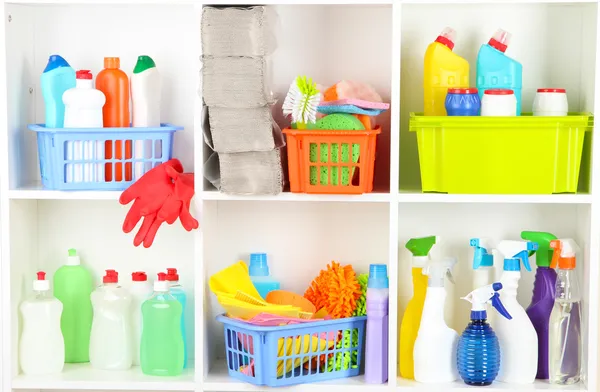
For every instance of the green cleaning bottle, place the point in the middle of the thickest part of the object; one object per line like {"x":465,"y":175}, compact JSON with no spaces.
{"x":73,"y":286}
{"x":162,"y":349}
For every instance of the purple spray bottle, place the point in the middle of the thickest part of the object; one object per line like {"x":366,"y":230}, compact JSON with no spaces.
{"x":542,"y":302}
{"x":378,"y":298}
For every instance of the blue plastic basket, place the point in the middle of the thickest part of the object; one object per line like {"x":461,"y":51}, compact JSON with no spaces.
{"x":257,"y":355}
{"x":76,"y":158}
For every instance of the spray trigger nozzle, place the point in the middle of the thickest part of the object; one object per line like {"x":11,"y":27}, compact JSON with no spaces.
{"x":437,"y":270}
{"x":483,"y":256}
{"x":481,"y":296}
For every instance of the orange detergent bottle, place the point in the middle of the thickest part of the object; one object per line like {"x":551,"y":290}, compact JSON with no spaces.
{"x":443,"y":69}
{"x":114,"y":84}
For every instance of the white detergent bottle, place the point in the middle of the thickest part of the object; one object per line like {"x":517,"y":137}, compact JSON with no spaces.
{"x":83,"y":109}
{"x":140,"y":290}
{"x":436,"y":344}
{"x":518,"y":339}
{"x":145,"y":103}
{"x":110,"y":340}
{"x":42,"y":347}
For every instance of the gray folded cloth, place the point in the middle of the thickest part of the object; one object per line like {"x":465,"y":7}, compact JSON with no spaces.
{"x":238,"y":31}
{"x":235,"y":82}
{"x":251,"y":173}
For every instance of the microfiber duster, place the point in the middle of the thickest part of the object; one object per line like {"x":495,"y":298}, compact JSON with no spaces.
{"x":348,"y":359}
{"x":361,"y":303}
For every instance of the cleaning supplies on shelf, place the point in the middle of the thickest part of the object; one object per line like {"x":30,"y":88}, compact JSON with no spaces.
{"x":259,"y":274}
{"x":518,"y":339}
{"x":443,"y":69}
{"x":565,"y":320}
{"x":542,"y":301}
{"x":411,"y":321}
{"x":462,"y":102}
{"x":162,"y":344}
{"x":73,"y":287}
{"x":110,"y":341}
{"x":83,"y":109}
{"x":478,"y":354}
{"x":113,"y":82}
{"x":550,"y":102}
{"x":378,"y":297}
{"x":498,"y":102}
{"x":483,"y":262}
{"x":140,"y":290}
{"x":42,"y":347}
{"x":58,"y":77}
{"x":435,"y":346}
{"x":301,"y":103}
{"x":495,"y":70}
{"x":177,"y":291}
{"x":145,"y":108}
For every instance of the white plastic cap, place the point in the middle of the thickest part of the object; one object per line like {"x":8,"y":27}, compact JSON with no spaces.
{"x":420,"y":261}
{"x":161,"y":285}
{"x":500,"y":40}
{"x":73,"y":259}
{"x":41,"y":284}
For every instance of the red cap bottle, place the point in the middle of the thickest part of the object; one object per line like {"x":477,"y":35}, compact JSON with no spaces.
{"x":111,"y":276}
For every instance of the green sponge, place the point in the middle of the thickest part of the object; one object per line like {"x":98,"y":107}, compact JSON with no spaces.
{"x":336,"y":121}
{"x":347,"y":359}
{"x":361,"y":303}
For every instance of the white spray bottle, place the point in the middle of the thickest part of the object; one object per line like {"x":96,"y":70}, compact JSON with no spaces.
{"x":518,"y":339}
{"x":435,"y":347}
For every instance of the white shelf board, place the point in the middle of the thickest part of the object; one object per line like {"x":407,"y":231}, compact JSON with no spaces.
{"x":496,"y":1}
{"x":289,"y":196}
{"x":219,"y":380}
{"x":37,"y":192}
{"x":213,"y":2}
{"x":84,"y":377}
{"x":459,"y":386}
{"x":415,"y":197}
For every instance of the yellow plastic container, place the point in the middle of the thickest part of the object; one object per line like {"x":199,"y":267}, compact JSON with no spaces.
{"x":501,"y":155}
{"x":443,"y":69}
{"x":411,"y":321}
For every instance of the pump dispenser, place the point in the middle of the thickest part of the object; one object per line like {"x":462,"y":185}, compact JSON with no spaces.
{"x":483,"y":262}
{"x":542,"y":301}
{"x":518,"y":339}
{"x":435,"y":347}
{"x":478,"y":347}
{"x":420,"y":249}
{"x":495,"y":70}
{"x":565,"y":320}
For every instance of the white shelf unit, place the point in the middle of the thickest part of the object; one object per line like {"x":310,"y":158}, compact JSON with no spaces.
{"x":380,"y":42}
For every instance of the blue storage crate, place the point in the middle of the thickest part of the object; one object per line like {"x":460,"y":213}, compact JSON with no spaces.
{"x":257,"y":355}
{"x":89,"y":158}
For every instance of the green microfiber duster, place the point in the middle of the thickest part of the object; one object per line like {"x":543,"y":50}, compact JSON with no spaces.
{"x":347,"y":359}
{"x":361,"y":303}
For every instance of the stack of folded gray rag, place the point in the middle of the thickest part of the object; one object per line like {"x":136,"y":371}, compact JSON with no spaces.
{"x":238,"y":124}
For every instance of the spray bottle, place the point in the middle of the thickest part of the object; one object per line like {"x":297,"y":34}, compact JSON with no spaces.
{"x":483,"y":262}
{"x":435,"y":347}
{"x":565,"y":320}
{"x":518,"y":339}
{"x":542,"y":301}
{"x":420,"y":249}
{"x":478,"y":346}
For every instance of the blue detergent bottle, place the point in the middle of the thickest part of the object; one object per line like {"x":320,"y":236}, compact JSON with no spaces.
{"x":496,"y":70}
{"x":177,"y":291}
{"x":259,"y":274}
{"x":478,"y":353}
{"x":58,"y":77}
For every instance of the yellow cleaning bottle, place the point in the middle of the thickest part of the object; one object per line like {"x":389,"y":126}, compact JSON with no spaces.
{"x":443,"y":69}
{"x":411,"y":321}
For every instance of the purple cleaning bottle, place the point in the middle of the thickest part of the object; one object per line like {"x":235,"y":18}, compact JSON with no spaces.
{"x":542,"y":302}
{"x":378,"y":297}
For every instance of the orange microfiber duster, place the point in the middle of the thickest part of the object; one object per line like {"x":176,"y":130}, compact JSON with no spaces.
{"x":335,"y":289}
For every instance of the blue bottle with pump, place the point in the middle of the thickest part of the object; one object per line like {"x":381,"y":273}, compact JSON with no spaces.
{"x":478,"y":353}
{"x":496,"y":70}
{"x":57,"y":78}
{"x":259,"y":274}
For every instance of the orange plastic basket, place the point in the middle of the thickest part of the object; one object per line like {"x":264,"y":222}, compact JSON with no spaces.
{"x":327,"y":161}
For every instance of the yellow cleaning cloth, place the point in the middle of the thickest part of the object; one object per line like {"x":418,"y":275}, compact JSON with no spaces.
{"x":296,"y":346}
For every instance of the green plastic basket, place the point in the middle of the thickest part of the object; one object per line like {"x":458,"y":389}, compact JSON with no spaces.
{"x":501,"y":155}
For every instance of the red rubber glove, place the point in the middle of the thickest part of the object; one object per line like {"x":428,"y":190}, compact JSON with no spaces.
{"x":178,"y":204}
{"x":149,"y":194}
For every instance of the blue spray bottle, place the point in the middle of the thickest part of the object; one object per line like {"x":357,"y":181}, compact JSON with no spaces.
{"x":478,"y":353}
{"x":496,"y":70}
{"x":57,"y":78}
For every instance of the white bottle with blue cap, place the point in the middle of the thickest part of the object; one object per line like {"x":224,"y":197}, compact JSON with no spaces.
{"x":259,"y":274}
{"x":517,"y":336}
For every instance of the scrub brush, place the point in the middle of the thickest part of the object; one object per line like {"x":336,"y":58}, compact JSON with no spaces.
{"x":301,"y":102}
{"x":361,"y":303}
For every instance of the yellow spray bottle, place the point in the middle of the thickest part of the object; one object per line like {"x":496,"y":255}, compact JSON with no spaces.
{"x":443,"y":69}
{"x":411,"y":321}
